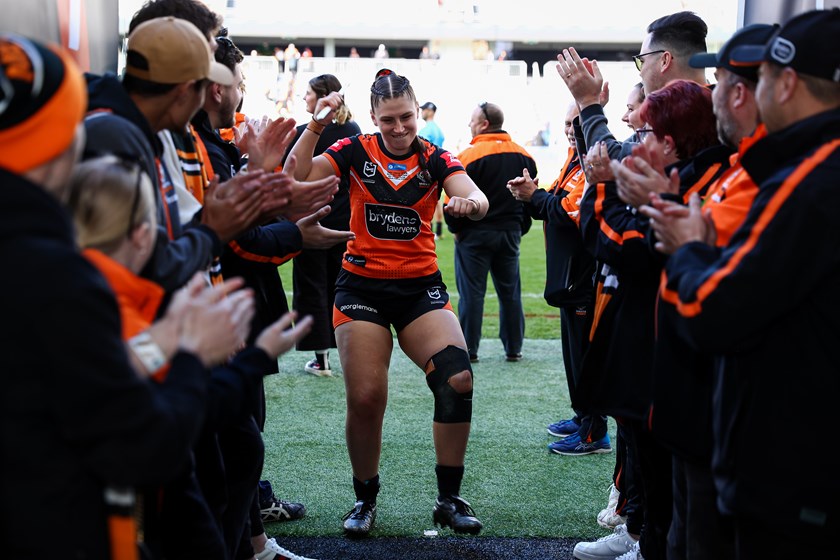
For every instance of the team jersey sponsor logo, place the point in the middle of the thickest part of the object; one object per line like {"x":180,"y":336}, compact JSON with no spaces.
{"x":396,"y":223}
{"x":355,"y":259}
{"x":396,"y":179}
{"x":396,"y":167}
{"x":358,"y":307}
{"x":338,"y":144}
{"x":451,"y":160}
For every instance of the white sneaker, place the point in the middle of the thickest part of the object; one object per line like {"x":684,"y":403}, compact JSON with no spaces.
{"x":607,"y":517}
{"x":633,"y":554}
{"x":606,"y":548}
{"x":274,"y":551}
{"x":314,"y":368}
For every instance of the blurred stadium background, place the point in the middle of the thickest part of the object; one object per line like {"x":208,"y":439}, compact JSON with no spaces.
{"x":465,"y":38}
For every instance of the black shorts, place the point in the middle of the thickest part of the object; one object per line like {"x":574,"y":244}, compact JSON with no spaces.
{"x":387,"y":302}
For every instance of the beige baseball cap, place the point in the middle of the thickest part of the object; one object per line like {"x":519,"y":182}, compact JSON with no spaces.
{"x":169,"y":50}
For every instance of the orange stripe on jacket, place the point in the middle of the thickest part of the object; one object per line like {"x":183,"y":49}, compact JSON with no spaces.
{"x":702,"y":182}
{"x":260,"y":258}
{"x":613,"y":235}
{"x":692,"y":309}
{"x":601,"y":301}
{"x":122,"y":530}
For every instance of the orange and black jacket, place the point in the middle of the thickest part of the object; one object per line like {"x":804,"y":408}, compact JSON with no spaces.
{"x":767,"y":303}
{"x":231,"y":385}
{"x":75,"y":414}
{"x":681,"y":412}
{"x":233,"y":391}
{"x":119,"y":127}
{"x":255,"y":254}
{"x":731,"y":196}
{"x":569,"y":266}
{"x":617,"y":372}
{"x":491,"y":161}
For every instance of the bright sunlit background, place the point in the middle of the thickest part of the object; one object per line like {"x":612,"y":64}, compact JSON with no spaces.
{"x":525,"y":84}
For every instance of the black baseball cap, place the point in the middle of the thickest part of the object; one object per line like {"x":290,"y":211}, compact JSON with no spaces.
{"x":755,"y":34}
{"x":429,"y":105}
{"x":809,"y":43}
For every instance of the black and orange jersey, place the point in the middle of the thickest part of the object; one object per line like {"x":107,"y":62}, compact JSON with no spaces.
{"x":392,"y":202}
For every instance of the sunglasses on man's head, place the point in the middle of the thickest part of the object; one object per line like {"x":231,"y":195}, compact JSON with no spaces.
{"x":483,"y":107}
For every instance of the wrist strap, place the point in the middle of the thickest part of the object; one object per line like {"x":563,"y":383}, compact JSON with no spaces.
{"x":319,"y":128}
{"x":148,"y":352}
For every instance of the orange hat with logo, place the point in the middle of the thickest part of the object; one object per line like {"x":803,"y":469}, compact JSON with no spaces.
{"x":42,"y":101}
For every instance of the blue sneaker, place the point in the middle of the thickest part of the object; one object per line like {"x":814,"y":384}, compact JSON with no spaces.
{"x":563,"y":428}
{"x":573,"y":445}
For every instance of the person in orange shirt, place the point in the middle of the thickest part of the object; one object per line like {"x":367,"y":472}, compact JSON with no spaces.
{"x":390,"y":277}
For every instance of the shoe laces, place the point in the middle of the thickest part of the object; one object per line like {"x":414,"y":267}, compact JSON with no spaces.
{"x":360,"y":510}
{"x":619,"y":531}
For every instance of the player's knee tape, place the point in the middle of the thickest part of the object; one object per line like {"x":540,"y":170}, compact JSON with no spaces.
{"x":451,"y":382}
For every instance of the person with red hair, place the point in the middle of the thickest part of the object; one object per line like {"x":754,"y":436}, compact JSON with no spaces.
{"x":681,"y":119}
{"x":680,"y":137}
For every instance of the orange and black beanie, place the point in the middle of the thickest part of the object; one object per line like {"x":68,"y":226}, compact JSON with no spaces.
{"x":42,"y":100}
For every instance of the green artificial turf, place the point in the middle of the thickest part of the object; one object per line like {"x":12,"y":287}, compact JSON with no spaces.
{"x":517,"y":488}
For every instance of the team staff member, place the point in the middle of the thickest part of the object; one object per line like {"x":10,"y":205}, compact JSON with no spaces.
{"x":568,"y":283}
{"x":776,"y":353}
{"x":492,"y":245}
{"x":683,"y":388}
{"x":390,"y":277}
{"x":616,"y":376}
